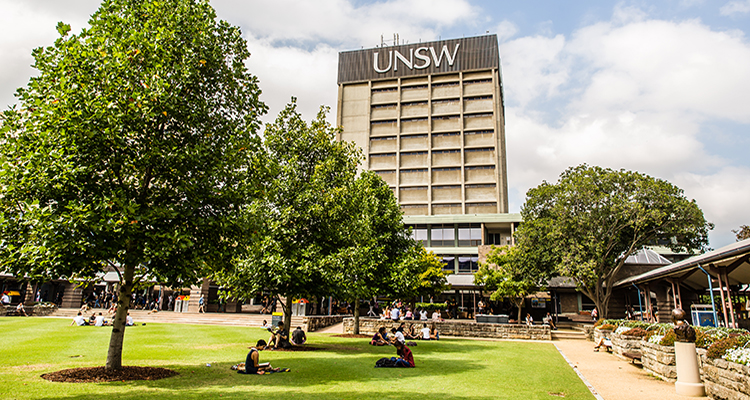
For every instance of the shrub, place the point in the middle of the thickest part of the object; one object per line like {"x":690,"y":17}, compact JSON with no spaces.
{"x":719,"y":348}
{"x":599,"y":322}
{"x":606,"y":327}
{"x":432,"y":306}
{"x":637,"y":332}
{"x":738,"y":355}
{"x":668,"y":339}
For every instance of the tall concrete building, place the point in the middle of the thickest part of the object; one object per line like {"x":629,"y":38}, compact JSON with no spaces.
{"x":430,"y":120}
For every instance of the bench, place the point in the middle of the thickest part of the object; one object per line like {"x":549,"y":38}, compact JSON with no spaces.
{"x":633,"y":356}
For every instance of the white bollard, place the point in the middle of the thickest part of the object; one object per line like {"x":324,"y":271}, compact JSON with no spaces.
{"x":688,"y":375}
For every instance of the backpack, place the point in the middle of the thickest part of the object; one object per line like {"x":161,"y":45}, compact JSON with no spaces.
{"x":385,"y":362}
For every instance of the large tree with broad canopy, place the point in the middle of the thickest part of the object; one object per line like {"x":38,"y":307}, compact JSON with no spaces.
{"x":587,"y":224}
{"x":131,"y":150}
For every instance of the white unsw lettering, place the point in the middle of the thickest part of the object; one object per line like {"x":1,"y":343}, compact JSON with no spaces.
{"x":420,"y":55}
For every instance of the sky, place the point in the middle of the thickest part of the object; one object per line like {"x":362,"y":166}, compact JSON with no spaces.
{"x":659,"y":87}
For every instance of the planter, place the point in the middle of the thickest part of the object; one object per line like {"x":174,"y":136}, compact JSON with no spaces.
{"x":659,"y":360}
{"x":725,"y":380}
{"x":626,"y":344}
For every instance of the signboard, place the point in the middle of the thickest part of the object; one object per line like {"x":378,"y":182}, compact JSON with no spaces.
{"x":418,"y":59}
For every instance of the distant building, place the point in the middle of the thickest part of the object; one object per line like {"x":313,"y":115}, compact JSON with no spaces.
{"x":430,"y":120}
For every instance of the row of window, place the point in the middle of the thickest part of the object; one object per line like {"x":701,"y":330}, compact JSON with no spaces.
{"x":464,"y":263}
{"x":423,"y":86}
{"x":435,"y":118}
{"x":440,"y":169}
{"x":444,"y":235}
{"x":424,"y":135}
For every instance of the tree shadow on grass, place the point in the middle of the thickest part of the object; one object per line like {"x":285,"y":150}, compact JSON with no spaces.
{"x":250,"y":394}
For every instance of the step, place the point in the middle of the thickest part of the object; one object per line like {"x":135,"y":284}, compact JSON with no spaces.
{"x":231,"y":319}
{"x":568,"y":335}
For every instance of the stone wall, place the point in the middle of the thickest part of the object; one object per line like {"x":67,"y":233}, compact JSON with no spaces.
{"x":588,"y":330}
{"x":659,"y":360}
{"x":44,"y":309}
{"x":599,"y":334}
{"x":625,"y":344}
{"x":368,"y":326}
{"x":725,"y":380}
{"x":314,"y":323}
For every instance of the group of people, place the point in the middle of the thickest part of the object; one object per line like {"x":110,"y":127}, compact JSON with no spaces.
{"x":399,"y":312}
{"x":547,"y":320}
{"x":98,"y":320}
{"x":402,"y":333}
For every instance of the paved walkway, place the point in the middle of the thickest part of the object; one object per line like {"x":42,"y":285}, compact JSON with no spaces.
{"x":614,"y":378}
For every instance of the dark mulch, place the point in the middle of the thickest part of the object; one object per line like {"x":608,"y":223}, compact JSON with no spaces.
{"x":298,"y":348}
{"x":100,"y":374}
{"x":353,"y":336}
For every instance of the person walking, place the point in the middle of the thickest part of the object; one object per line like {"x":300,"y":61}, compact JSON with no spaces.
{"x":202,"y":305}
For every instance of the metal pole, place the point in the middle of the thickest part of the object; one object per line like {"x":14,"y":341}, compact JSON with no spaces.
{"x":711,"y":291}
{"x":723,"y":300}
{"x":729,"y":297}
{"x":640,"y":305}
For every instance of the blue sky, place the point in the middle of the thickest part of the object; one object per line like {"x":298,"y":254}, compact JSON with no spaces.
{"x":658,"y":87}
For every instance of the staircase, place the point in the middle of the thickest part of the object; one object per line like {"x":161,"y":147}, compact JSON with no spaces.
{"x":143,"y":316}
{"x":569,"y":330}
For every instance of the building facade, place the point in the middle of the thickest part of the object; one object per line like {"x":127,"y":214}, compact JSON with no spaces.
{"x":430,"y":120}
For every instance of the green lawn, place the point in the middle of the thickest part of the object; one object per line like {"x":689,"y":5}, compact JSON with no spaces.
{"x":446,"y":370}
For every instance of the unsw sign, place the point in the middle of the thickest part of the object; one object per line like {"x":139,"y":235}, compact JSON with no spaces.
{"x":422,"y":54}
{"x":466,"y":54}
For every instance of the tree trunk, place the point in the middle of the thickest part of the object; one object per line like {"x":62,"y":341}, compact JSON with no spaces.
{"x":114,"y":353}
{"x":287,"y":306}
{"x":519,"y":304}
{"x":356,"y":316}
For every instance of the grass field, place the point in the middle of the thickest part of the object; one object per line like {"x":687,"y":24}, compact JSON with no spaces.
{"x":343,"y":369}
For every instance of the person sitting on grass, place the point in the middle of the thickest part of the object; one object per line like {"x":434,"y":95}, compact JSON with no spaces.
{"x":411,"y":333}
{"x":398,"y":336}
{"x":429,"y":334}
{"x":298,"y":337}
{"x":79,"y":320}
{"x":100,"y":321}
{"x":405,"y":358}
{"x":129,"y":320}
{"x":279,"y":338}
{"x":379,"y":338}
{"x":252,"y":362}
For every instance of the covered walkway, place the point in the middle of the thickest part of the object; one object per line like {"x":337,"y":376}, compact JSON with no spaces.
{"x":725,"y":272}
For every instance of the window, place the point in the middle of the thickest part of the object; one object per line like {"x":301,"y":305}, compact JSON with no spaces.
{"x":478,"y":132}
{"x":468,"y":263}
{"x":449,"y":263}
{"x":419,"y":233}
{"x":469,"y":235}
{"x":443,"y":235}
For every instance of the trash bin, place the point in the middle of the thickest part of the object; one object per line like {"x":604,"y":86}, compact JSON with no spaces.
{"x":178,"y":305}
{"x":276,"y":318}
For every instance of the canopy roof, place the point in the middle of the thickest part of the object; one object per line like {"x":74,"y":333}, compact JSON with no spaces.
{"x":734,"y":257}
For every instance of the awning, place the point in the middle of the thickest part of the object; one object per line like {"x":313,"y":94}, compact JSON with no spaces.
{"x":734,"y":257}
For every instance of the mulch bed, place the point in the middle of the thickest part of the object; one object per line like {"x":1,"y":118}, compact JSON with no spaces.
{"x":298,"y":348}
{"x":100,"y":374}
{"x":353,"y":336}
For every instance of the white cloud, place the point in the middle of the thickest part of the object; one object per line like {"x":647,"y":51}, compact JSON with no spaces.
{"x":723,"y":196}
{"x":505,"y":30}
{"x":735,"y":7}
{"x":339,"y":22}
{"x":631,"y":93}
{"x":26,"y":25}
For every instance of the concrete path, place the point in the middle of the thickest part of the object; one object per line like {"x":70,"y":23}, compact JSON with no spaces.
{"x":335,"y":329}
{"x":614,"y":378}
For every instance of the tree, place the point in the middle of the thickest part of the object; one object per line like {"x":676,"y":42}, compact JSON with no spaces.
{"x":742,"y":233}
{"x":131,"y":150}
{"x":300,"y":219}
{"x":378,"y":241}
{"x":504,"y":274}
{"x":588,"y":223}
